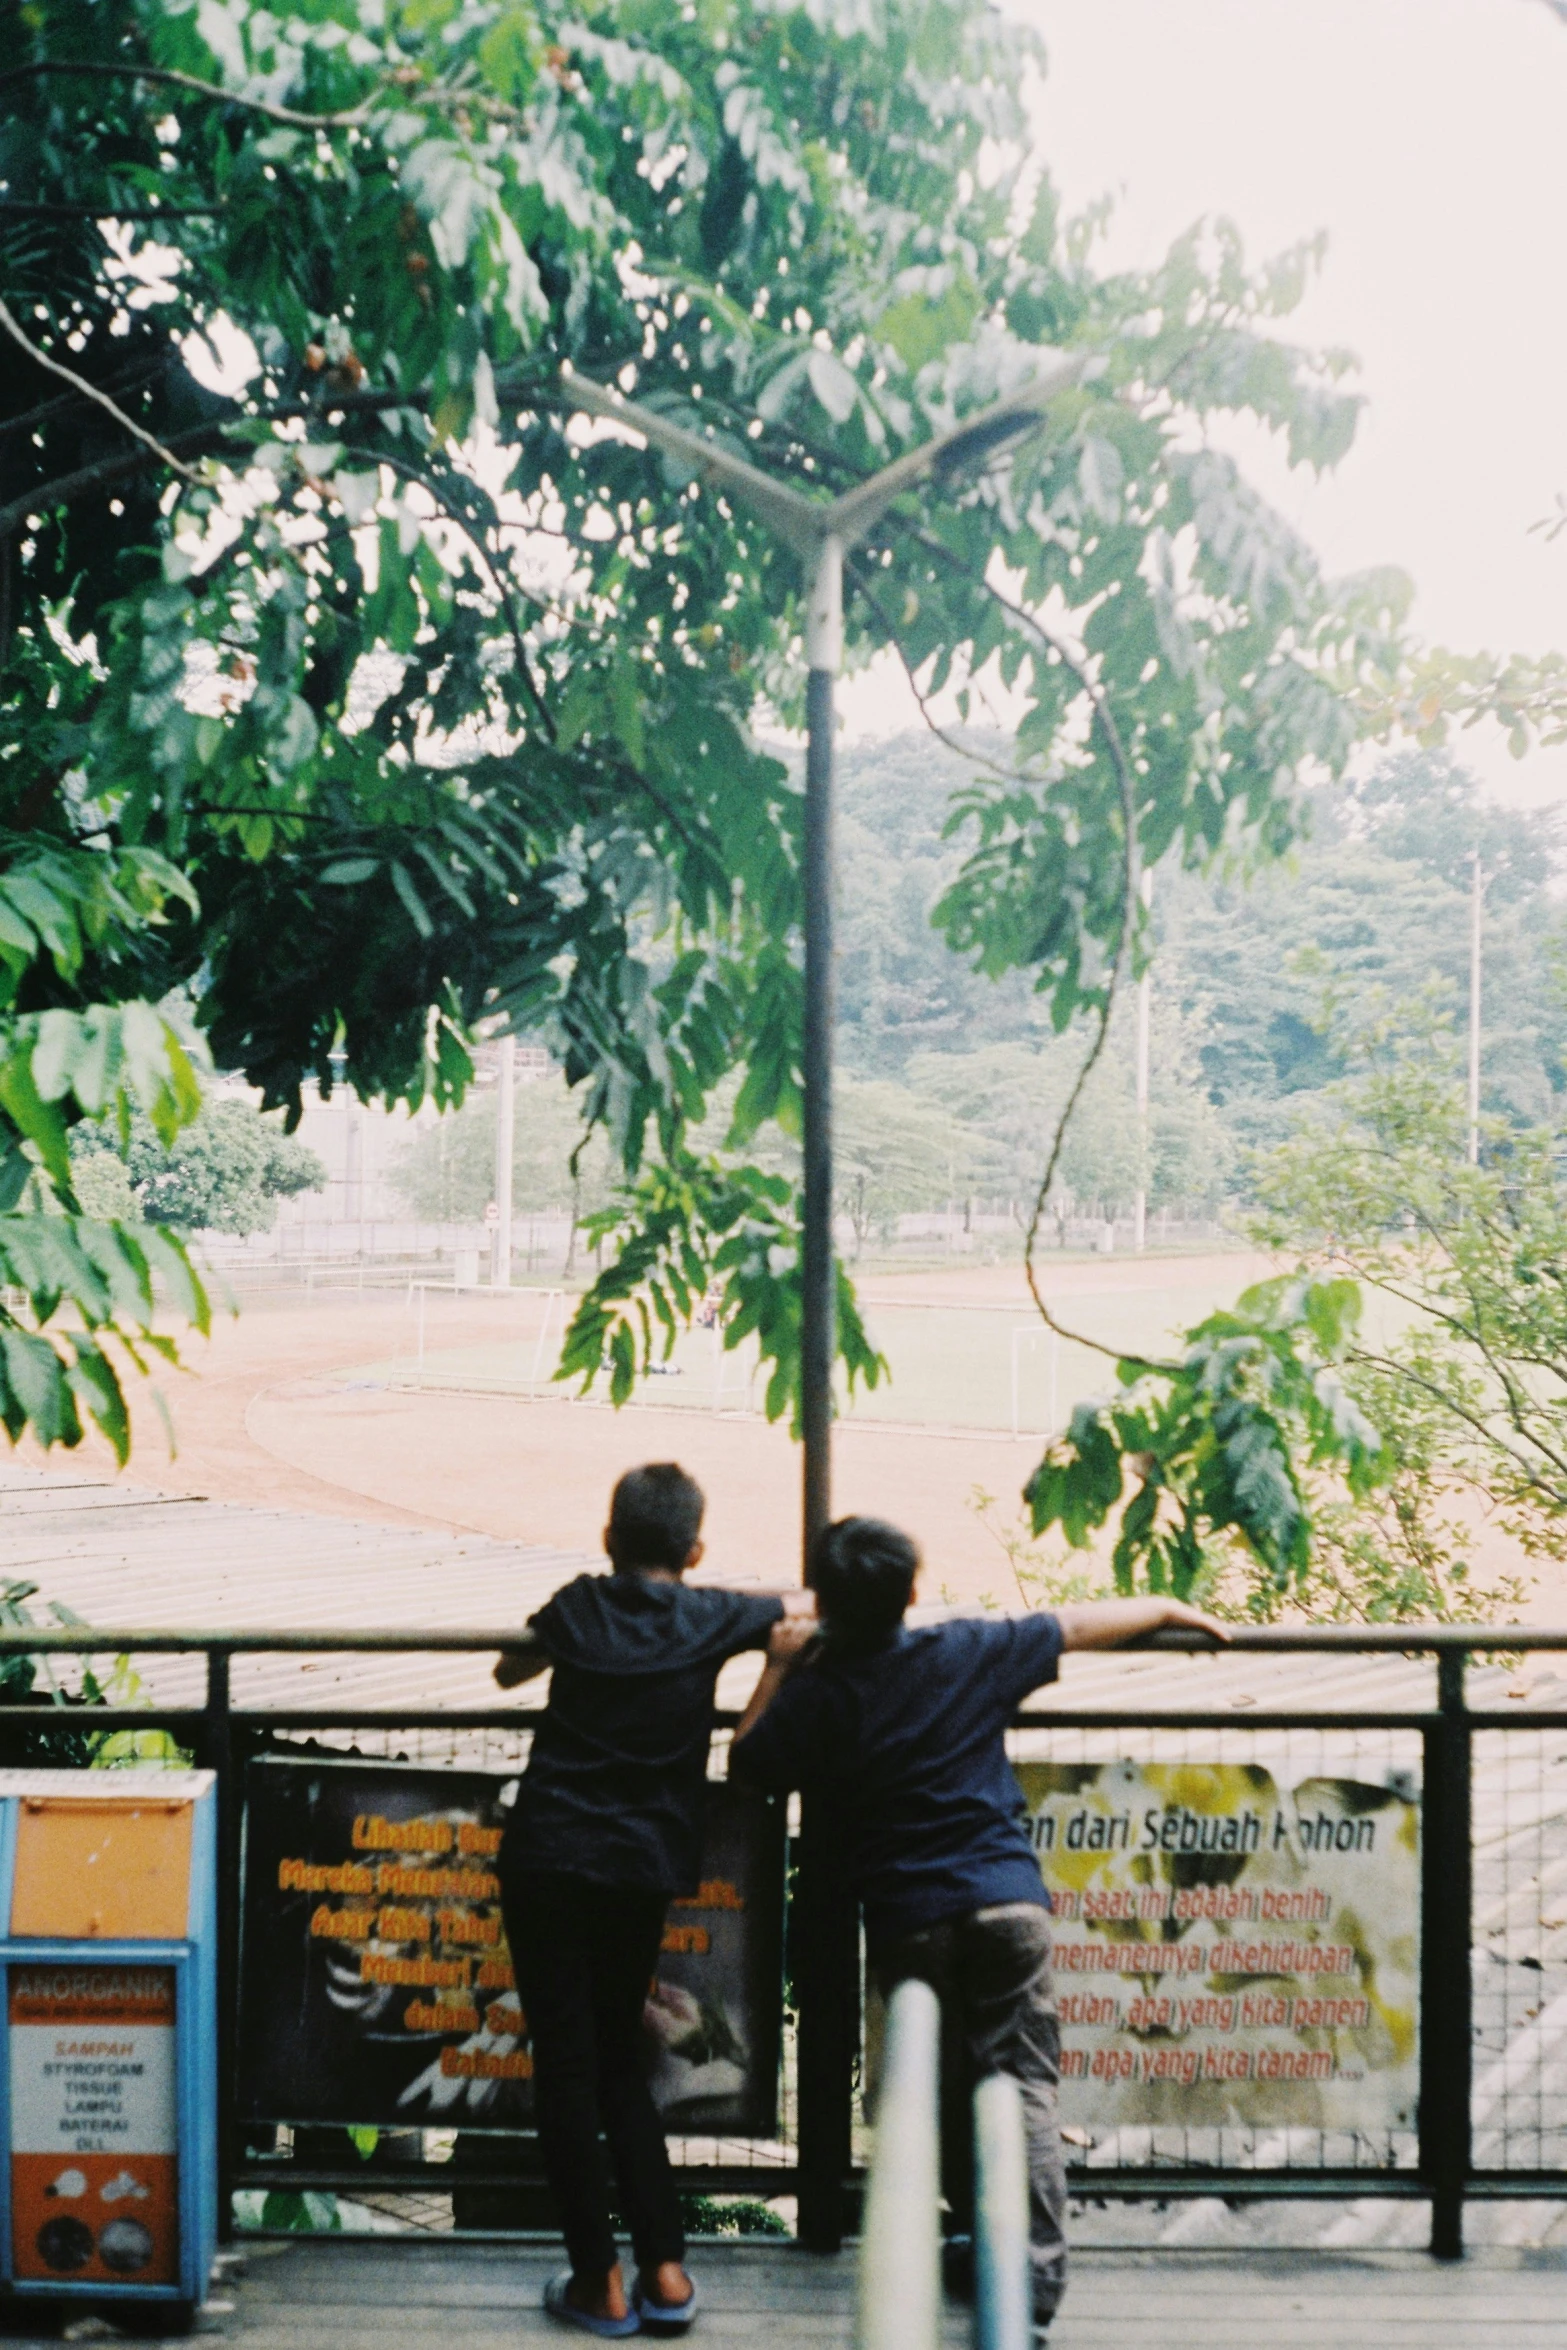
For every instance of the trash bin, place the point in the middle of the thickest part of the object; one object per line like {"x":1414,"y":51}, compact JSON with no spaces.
{"x":109,"y":2090}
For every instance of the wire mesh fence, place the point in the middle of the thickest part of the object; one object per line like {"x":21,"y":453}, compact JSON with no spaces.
{"x":1472,"y":1754}
{"x":1519,"y":2103}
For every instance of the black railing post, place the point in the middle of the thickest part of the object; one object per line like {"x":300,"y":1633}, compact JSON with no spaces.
{"x":827,"y":1988}
{"x":217,"y":1755}
{"x":1446,"y":1937}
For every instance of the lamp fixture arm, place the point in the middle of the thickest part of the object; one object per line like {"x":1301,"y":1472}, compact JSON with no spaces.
{"x":805,"y":524}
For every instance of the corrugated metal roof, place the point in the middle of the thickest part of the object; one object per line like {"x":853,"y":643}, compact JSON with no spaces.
{"x":119,"y":1554}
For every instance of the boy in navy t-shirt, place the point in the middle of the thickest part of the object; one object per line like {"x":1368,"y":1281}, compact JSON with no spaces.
{"x":907,"y":1729}
{"x":606,"y":1828}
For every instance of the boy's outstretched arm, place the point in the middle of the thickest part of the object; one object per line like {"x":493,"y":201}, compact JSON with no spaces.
{"x":1111,"y":1623}
{"x":790,"y":1637}
{"x":797,"y":1600}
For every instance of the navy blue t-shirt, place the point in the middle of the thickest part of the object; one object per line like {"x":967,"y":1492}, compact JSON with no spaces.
{"x":908,"y":1740}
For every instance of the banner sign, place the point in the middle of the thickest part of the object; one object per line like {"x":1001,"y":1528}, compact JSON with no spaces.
{"x":93,"y":2137}
{"x":1229,"y":1952}
{"x":377,"y":1987}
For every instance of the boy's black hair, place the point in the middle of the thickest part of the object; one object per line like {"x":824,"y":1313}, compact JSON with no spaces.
{"x":862,"y":1571}
{"x":655,"y":1516}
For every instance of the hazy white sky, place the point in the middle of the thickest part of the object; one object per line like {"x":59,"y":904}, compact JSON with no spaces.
{"x":1429,"y":138}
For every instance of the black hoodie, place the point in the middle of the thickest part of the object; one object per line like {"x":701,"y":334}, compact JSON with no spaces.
{"x":614,"y":1785}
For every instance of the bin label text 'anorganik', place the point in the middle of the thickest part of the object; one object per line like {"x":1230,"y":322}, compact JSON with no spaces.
{"x":1229,"y":1952}
{"x":93,"y":2129}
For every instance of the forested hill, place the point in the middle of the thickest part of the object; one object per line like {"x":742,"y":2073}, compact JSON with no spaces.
{"x":1376,"y":898}
{"x":951,"y":1084}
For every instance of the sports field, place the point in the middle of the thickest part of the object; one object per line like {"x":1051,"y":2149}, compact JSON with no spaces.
{"x":321,"y":1407}
{"x":965,"y":1348}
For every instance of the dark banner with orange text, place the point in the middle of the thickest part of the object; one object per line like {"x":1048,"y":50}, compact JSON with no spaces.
{"x":376,"y":1985}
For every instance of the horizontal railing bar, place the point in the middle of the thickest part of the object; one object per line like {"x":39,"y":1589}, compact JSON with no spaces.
{"x":265,"y":1717}
{"x":96,"y":1639}
{"x":1410,"y":1640}
{"x":1517,"y":1717}
{"x":1367,"y":1639}
{"x":727,"y":2178}
{"x":1155,"y":2186}
{"x":103,"y":1717}
{"x":1497,"y":2186}
{"x":1238,"y":1718}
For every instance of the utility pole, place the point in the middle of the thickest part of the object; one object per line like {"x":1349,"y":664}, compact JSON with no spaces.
{"x":821,"y":532}
{"x":1475,"y":896}
{"x":1144,"y":1009}
{"x":505,"y":1124}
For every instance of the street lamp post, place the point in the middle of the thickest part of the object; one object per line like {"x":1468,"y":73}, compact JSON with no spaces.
{"x":820,"y":532}
{"x":1476,"y":905}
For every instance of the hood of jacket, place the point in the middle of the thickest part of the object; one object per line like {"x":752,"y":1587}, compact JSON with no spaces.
{"x":631,"y":1623}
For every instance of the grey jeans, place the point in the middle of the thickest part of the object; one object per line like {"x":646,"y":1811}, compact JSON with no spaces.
{"x":991,"y":1971}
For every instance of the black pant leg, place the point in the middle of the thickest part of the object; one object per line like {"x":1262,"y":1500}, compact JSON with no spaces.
{"x":629,"y":1929}
{"x":552,"y":1939}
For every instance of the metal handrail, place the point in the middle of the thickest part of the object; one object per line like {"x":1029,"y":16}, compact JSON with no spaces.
{"x":1003,"y":2295}
{"x":898,"y":2294}
{"x":1279,"y":1639}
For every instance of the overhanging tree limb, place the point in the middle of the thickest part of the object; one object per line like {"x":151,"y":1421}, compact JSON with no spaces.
{"x":88,"y":391}
{"x":167,"y":77}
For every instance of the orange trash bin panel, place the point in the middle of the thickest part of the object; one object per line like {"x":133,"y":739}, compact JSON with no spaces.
{"x":104,"y":1869}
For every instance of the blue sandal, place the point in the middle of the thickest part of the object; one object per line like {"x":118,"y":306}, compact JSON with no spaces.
{"x":613,"y":2329}
{"x":663,"y":2317}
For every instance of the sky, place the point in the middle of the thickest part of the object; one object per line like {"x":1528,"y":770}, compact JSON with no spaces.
{"x":1429,"y":139}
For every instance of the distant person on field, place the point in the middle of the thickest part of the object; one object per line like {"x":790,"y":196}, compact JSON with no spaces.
{"x":607,"y":1826}
{"x":905,"y":1730}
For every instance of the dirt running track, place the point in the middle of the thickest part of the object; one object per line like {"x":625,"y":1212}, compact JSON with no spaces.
{"x":271,"y":1414}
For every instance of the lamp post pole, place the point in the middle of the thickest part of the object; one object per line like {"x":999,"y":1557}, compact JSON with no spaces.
{"x":505,"y":1129}
{"x":1144,"y":1011}
{"x":818,"y":1271}
{"x":820,"y":532}
{"x":1476,"y":899}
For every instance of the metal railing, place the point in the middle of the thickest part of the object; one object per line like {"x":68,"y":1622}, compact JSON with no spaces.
{"x":1483,"y":1886}
{"x":898,"y":2291}
{"x":1003,"y":2291}
{"x":898,"y":2286}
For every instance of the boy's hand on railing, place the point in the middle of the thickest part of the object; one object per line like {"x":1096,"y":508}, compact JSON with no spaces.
{"x":790,"y":1637}
{"x":787,"y":1642}
{"x":516,"y":1665}
{"x":1114,"y":1623}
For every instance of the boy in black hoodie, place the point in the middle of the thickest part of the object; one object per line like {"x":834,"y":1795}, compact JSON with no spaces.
{"x":607,"y":1827}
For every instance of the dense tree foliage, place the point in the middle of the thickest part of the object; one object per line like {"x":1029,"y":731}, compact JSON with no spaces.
{"x":225,"y":1172}
{"x":362,"y":691}
{"x":1466,"y":1361}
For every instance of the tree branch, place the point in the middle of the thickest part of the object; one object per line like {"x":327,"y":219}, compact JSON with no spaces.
{"x":1393,"y":1369}
{"x":65,"y":401}
{"x":167,"y":78}
{"x":89,"y":391}
{"x":199,"y":438}
{"x":502,"y":586}
{"x":962,"y":750}
{"x":28,"y":211}
{"x":1104,"y":718}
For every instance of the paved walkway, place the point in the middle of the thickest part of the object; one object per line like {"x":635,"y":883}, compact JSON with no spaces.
{"x":378,"y":2295}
